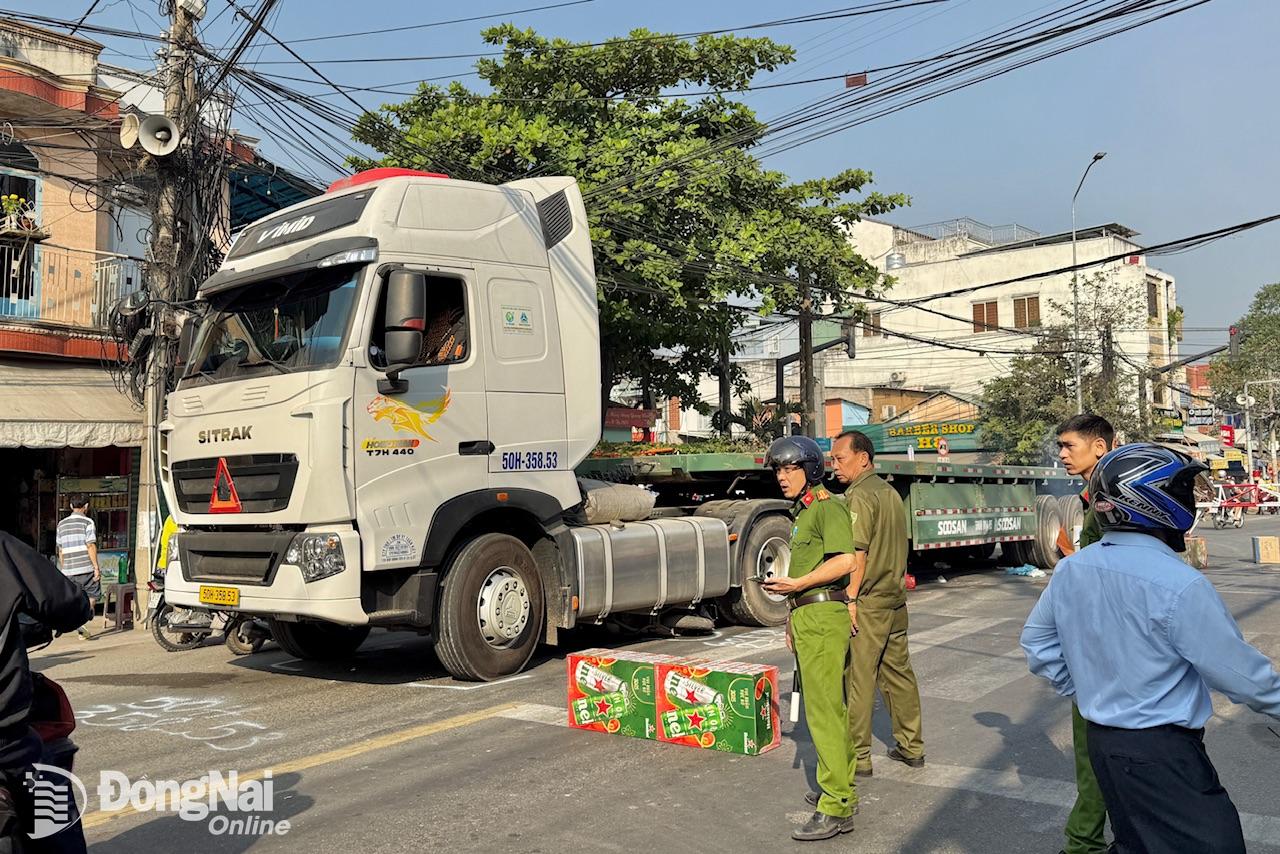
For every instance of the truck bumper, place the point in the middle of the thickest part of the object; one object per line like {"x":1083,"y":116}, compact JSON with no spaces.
{"x":279,"y":591}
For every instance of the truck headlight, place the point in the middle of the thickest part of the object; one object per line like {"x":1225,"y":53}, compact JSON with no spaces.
{"x":317,"y":555}
{"x":171,"y":550}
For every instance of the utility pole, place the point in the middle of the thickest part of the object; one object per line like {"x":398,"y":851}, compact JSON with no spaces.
{"x":807,"y":422}
{"x":1248,"y":402}
{"x":169,"y":240}
{"x":726,"y":392}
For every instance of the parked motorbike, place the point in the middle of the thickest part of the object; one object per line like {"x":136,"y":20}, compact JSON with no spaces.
{"x":177,"y":629}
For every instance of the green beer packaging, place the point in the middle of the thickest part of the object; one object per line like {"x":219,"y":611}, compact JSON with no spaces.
{"x":609,"y":692}
{"x":724,"y":705}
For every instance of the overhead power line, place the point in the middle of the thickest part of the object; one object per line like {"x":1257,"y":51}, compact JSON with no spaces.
{"x":852,"y":11}
{"x":440,"y":23}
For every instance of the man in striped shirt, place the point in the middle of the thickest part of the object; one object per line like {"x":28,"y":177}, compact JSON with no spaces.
{"x":78,"y":553}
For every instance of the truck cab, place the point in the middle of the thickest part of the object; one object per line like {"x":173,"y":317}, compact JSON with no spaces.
{"x":379,"y":421}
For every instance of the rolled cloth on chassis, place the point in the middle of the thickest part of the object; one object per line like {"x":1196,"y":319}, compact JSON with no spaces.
{"x":606,"y":502}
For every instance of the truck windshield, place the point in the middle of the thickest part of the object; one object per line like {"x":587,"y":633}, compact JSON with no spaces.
{"x":291,"y":323}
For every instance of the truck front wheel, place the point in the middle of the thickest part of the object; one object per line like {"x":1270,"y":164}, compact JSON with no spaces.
{"x":491,"y":609}
{"x":318,"y":641}
{"x":766,"y":553}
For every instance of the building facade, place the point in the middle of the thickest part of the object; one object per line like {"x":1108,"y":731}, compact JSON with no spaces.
{"x":951,"y":267}
{"x":74,"y":230}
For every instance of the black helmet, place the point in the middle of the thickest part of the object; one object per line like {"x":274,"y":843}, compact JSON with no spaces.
{"x":1146,"y":488}
{"x":798,"y":451}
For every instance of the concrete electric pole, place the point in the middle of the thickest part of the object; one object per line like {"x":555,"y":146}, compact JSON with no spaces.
{"x":170,"y":245}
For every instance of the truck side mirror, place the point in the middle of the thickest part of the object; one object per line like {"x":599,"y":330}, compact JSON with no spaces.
{"x":186,"y":339}
{"x":406,"y":321}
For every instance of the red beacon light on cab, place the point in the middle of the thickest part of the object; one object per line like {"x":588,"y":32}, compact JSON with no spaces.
{"x":370,"y":176}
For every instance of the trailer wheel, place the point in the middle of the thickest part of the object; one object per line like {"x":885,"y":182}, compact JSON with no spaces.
{"x":1072,"y":510}
{"x":766,"y":553}
{"x":318,"y":641}
{"x":1015,"y":553}
{"x":1044,"y":548}
{"x":491,"y":609}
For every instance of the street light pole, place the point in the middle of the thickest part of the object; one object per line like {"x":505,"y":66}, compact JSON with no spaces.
{"x":1075,"y":285}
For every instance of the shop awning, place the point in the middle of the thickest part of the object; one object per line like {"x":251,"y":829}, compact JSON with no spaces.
{"x":54,"y":405}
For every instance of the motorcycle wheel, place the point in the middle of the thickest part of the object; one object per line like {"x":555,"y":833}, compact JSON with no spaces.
{"x":240,"y":641}
{"x":170,"y":640}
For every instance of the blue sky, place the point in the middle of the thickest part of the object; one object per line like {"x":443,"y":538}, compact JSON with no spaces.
{"x":1184,"y":108}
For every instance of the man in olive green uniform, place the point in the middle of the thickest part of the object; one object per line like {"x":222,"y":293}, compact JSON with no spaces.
{"x":818,"y":629}
{"x":878,"y":650}
{"x":1082,"y":441}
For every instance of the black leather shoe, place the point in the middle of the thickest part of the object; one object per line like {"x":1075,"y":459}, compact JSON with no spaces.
{"x":811,"y":798}
{"x":896,"y":756}
{"x":822,"y":826}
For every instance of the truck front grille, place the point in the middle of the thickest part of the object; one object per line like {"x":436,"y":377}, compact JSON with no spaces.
{"x":264,"y":482}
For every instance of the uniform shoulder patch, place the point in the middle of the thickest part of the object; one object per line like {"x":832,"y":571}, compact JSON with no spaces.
{"x":820,"y":493}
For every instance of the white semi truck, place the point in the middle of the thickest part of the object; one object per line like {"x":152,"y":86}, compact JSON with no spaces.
{"x":378,"y":425}
{"x":380,"y":420}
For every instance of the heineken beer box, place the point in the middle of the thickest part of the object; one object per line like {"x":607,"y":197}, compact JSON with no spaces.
{"x":723,"y":705}
{"x":612,"y":692}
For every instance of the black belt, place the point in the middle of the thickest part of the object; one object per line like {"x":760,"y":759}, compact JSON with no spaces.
{"x":813,"y":597}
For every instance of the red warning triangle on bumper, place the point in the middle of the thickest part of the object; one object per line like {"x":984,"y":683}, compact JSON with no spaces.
{"x":224,"y":498}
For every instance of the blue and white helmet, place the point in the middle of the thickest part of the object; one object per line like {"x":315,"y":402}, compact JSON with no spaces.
{"x":1147,"y":488}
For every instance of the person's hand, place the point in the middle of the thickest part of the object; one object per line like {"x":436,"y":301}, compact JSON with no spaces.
{"x":853,"y":618}
{"x":97,"y":574}
{"x":783,"y":586}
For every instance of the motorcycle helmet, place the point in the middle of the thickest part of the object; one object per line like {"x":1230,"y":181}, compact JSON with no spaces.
{"x":1146,"y":488}
{"x":798,"y":451}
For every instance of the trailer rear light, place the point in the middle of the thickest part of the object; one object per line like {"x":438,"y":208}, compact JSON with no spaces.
{"x":351,"y":256}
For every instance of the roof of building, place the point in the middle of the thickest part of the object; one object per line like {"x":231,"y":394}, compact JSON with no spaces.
{"x":1110,"y":229}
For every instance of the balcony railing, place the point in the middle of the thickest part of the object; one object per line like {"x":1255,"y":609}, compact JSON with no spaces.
{"x":69,"y":287}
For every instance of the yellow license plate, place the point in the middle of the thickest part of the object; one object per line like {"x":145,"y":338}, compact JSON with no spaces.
{"x":228,"y":597}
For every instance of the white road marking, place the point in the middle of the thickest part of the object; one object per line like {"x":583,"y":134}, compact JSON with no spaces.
{"x":967,"y":684}
{"x":286,"y":665}
{"x":538,"y":713}
{"x":477,"y":686}
{"x":758,"y":641}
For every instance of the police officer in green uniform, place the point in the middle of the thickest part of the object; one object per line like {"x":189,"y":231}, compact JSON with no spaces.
{"x":878,"y":651}
{"x":818,"y":628}
{"x":1083,"y":440}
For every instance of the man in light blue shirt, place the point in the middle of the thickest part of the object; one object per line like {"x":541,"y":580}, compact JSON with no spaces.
{"x":1138,"y":637}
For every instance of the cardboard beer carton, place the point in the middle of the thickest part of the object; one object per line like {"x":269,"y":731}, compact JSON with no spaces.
{"x":723,"y":705}
{"x":612,"y":692}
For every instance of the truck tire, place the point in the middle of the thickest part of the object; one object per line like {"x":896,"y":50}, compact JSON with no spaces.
{"x":312,"y":641}
{"x":1044,"y":548}
{"x":766,"y":552}
{"x":1016,"y":553}
{"x":1072,"y":509}
{"x":492,"y":610}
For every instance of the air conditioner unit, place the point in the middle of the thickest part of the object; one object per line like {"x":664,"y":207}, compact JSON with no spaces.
{"x":898,"y":376}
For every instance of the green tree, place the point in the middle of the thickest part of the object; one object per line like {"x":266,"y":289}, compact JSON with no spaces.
{"x":1257,"y":360}
{"x":1021,"y":410}
{"x":705,"y":221}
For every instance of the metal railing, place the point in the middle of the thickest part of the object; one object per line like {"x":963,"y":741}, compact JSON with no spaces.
{"x":55,"y":284}
{"x":991,"y":235}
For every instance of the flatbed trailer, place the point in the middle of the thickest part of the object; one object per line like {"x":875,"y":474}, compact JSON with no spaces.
{"x":955,"y":511}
